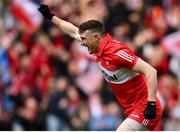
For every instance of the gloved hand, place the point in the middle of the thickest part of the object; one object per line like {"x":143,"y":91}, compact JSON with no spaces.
{"x":44,"y":10}
{"x":150,"y":110}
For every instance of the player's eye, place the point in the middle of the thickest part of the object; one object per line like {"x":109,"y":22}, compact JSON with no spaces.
{"x":83,"y":38}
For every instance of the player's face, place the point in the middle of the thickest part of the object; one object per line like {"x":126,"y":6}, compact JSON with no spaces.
{"x":90,"y":41}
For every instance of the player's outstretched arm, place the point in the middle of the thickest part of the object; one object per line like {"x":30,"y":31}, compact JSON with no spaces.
{"x":150,"y":75}
{"x":151,"y":81}
{"x":66,"y":27}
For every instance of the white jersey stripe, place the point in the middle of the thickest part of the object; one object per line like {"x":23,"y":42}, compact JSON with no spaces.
{"x":123,"y":57}
{"x":145,"y":122}
{"x":125,"y":54}
{"x":129,"y":57}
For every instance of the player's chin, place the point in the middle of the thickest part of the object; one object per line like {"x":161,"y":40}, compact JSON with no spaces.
{"x":90,"y":51}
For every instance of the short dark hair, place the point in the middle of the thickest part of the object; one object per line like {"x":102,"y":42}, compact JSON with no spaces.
{"x":93,"y":25}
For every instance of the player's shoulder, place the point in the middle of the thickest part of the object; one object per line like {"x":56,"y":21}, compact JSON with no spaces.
{"x":113,"y":48}
{"x":121,"y":51}
{"x":114,"y":45}
{"x":120,"y":48}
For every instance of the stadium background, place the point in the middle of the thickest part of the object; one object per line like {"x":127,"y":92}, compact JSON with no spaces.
{"x":49,"y":82}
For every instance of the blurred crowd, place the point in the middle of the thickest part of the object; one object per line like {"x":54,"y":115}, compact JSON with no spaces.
{"x":48,"y":81}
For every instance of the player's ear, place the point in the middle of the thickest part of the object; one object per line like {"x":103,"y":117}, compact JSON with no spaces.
{"x":97,"y":36}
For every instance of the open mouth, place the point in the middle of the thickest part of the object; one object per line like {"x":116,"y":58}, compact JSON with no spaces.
{"x":82,"y":44}
{"x":89,"y":49}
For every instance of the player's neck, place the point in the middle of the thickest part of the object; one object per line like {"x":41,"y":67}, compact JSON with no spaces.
{"x":102,"y":38}
{"x":100,"y":41}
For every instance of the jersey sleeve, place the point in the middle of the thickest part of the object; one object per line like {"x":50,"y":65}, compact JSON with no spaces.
{"x":124,"y":58}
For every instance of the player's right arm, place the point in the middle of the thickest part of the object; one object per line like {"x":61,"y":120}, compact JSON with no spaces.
{"x":66,"y":27}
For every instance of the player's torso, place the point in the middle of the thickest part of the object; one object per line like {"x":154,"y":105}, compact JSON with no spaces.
{"x":113,"y":72}
{"x":127,"y":85}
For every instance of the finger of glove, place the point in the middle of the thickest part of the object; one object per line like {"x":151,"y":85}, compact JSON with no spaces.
{"x":43,"y":10}
{"x":43,"y":6}
{"x":39,"y":9}
{"x":147,"y":114}
{"x":150,"y":115}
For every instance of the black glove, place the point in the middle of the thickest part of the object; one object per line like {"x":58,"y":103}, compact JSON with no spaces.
{"x":44,"y":10}
{"x":150,"y":110}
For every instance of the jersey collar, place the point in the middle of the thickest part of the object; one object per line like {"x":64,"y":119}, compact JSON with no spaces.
{"x":103,"y":44}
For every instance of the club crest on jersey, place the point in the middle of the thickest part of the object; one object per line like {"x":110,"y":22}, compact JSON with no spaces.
{"x":107,"y":63}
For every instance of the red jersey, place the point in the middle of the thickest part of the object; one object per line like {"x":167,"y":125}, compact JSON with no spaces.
{"x":116,"y":61}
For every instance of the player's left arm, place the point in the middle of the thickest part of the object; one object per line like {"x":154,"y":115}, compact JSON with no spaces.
{"x":126,"y":58}
{"x":150,"y":74}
